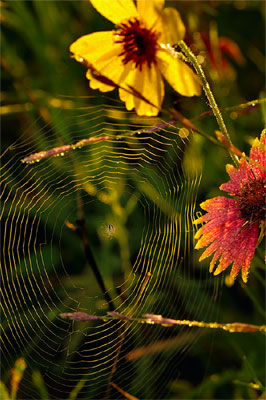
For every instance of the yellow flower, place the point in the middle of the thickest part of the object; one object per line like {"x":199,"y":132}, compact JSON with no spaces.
{"x":134,"y":56}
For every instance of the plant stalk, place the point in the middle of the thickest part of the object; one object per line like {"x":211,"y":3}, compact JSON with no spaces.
{"x":192,"y":59}
{"x":91,"y":260}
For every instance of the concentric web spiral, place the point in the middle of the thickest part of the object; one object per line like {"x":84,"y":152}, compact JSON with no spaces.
{"x":125,"y":199}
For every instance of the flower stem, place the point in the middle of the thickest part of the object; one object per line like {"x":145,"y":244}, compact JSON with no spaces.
{"x":192,"y":59}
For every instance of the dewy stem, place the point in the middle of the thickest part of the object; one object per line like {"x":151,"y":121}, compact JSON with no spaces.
{"x":192,"y":59}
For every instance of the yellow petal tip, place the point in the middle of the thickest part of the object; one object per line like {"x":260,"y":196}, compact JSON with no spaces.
{"x":229,"y":168}
{"x":244,"y":277}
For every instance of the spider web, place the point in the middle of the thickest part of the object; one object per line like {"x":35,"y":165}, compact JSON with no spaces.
{"x":134,"y":188}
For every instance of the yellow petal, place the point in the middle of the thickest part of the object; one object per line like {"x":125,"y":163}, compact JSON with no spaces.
{"x":115,"y":10}
{"x":197,"y":221}
{"x":218,"y":270}
{"x":149,"y":84}
{"x":93,"y":46}
{"x":149,"y":11}
{"x":179,"y":75}
{"x":244,"y":275}
{"x":198,"y":233}
{"x":96,"y":84}
{"x":114,"y":70}
{"x":229,"y":168}
{"x":101,"y":52}
{"x":212,"y":264}
{"x":173,"y":28}
{"x":125,"y":94}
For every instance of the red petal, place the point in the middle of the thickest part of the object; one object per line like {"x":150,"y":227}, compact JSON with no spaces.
{"x":238,"y":176}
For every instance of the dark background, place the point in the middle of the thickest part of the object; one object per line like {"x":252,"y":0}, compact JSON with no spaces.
{"x":46,"y":102}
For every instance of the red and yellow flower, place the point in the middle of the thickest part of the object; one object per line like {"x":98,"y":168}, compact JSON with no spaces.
{"x":232,"y":224}
{"x":134,"y":55}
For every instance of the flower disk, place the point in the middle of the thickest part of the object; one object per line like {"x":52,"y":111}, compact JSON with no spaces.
{"x":252,"y":200}
{"x":139,"y":43}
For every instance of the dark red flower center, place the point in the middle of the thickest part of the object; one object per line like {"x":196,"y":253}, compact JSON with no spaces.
{"x":139,"y":43}
{"x":252,"y":200}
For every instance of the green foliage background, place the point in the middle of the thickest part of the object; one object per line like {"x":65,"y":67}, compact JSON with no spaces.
{"x":36,"y":67}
